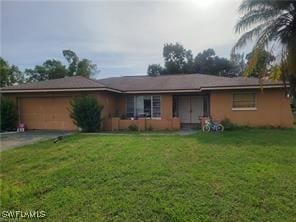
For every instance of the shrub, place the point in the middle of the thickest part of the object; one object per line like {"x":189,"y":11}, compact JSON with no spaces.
{"x":8,"y":115}
{"x":133,"y":127}
{"x":86,"y":113}
{"x":228,"y":125}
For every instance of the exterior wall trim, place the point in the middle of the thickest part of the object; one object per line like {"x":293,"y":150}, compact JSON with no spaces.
{"x":162,"y":91}
{"x":245,"y":109}
{"x":243,"y":87}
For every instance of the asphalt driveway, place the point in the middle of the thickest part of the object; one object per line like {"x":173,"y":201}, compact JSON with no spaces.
{"x":12,"y":140}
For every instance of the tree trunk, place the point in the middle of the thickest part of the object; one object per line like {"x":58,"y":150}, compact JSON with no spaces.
{"x":291,"y":62}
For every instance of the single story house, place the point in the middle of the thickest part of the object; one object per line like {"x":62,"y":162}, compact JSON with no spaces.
{"x":158,"y":103}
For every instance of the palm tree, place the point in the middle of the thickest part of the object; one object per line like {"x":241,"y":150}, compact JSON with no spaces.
{"x":268,"y":22}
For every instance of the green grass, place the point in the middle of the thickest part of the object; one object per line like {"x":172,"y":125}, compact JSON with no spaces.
{"x":243,"y":175}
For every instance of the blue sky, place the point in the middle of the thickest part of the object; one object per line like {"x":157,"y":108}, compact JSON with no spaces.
{"x":121,"y":37}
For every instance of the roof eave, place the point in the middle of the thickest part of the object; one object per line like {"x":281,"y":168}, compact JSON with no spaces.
{"x":244,"y":87}
{"x":142,"y":91}
{"x":59,"y":90}
{"x":203,"y":89}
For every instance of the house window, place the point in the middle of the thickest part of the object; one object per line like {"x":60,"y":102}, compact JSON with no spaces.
{"x":156,"y":106}
{"x":143,"y":106}
{"x":130,"y":106}
{"x":244,"y":101}
{"x":206,"y":105}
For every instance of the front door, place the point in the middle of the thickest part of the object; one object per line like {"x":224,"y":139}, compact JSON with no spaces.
{"x":196,"y":108}
{"x":184,"y":109}
{"x":190,"y":108}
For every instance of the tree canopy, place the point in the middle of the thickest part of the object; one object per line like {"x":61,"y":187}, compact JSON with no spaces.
{"x":178,"y":60}
{"x":208,"y":63}
{"x":258,"y":62}
{"x":50,"y":69}
{"x":270,"y":22}
{"x":176,"y":57}
{"x":79,"y":67}
{"x":9,"y":74}
{"x":155,"y":70}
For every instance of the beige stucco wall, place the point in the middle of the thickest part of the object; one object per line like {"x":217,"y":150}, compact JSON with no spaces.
{"x":144,"y":124}
{"x":273,"y":109}
{"x":51,"y":110}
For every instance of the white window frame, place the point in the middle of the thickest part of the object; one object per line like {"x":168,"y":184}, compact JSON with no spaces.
{"x":245,"y":108}
{"x":135,"y":105}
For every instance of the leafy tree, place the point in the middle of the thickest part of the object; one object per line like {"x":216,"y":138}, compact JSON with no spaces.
{"x":9,"y":74}
{"x":208,"y":63}
{"x":259,"y":61}
{"x":50,"y":69}
{"x":155,"y":70}
{"x":86,"y":113}
{"x":269,"y":21}
{"x":79,"y":67}
{"x":86,"y":68}
{"x":179,"y":60}
{"x":54,"y":69}
{"x":8,"y":115}
{"x":238,"y":64}
{"x":73,"y":60}
{"x":176,"y":58}
{"x":189,"y":65}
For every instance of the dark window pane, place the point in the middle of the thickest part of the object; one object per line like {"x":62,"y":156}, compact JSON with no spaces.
{"x":156,"y":106}
{"x":130,"y":106}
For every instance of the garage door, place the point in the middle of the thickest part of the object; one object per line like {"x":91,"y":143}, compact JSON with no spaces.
{"x":46,"y":113}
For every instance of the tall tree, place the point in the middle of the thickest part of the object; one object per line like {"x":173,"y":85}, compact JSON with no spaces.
{"x":50,"y":69}
{"x":178,"y":60}
{"x":155,"y":70}
{"x":175,"y":58}
{"x":258,"y":63}
{"x":238,"y":64}
{"x":207,"y":62}
{"x":189,"y":65}
{"x":86,"y":68}
{"x":73,"y":60}
{"x":79,"y":67}
{"x":10,"y":74}
{"x":270,"y":21}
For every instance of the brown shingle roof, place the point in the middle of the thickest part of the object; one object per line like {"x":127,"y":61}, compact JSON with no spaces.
{"x":145,"y":83}
{"x":74,"y":82}
{"x":180,"y":82}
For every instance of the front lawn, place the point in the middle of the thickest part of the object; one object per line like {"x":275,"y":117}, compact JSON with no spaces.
{"x":244,"y":175}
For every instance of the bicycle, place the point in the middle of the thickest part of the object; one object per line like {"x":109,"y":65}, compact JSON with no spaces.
{"x":210,"y":125}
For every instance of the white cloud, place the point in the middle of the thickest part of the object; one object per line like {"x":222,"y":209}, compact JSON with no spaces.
{"x":132,"y":26}
{"x":131,"y":33}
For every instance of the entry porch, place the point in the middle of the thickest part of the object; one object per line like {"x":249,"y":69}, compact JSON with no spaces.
{"x":160,"y":112}
{"x":190,"y":109}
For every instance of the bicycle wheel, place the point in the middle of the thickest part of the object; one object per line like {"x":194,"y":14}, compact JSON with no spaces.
{"x":220,"y":128}
{"x":206,"y":128}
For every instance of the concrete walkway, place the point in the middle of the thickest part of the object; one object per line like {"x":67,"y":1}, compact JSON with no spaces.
{"x":13,"y":139}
